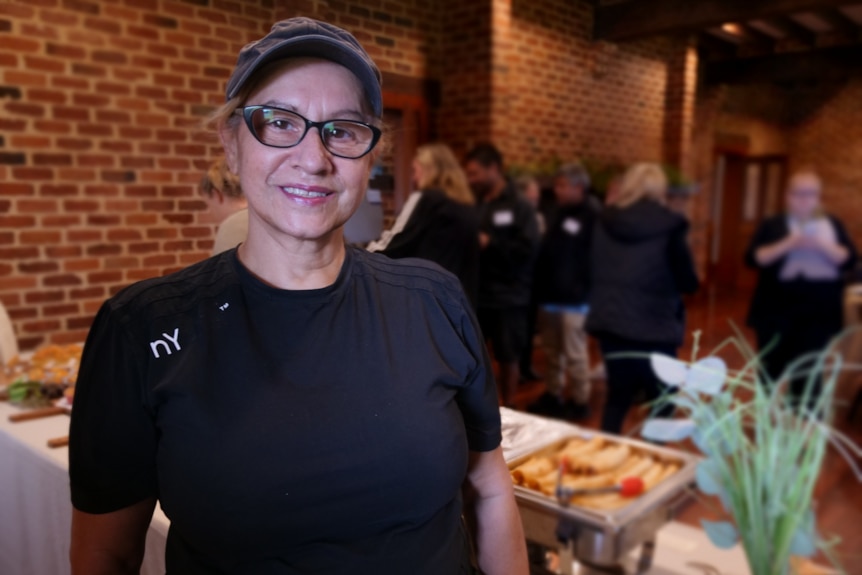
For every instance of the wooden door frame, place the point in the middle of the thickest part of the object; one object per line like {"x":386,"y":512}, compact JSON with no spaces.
{"x":414,"y":99}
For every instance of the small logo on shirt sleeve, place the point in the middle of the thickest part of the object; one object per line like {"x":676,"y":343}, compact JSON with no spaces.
{"x":168,"y":345}
{"x":224,"y":306}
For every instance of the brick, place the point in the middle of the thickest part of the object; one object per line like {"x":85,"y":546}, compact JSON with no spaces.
{"x":81,"y":6}
{"x":104,"y":250}
{"x":16,"y":221}
{"x":40,"y":326}
{"x":61,"y":280}
{"x":13,"y":158}
{"x":61,"y":221}
{"x":22,"y":109}
{"x":87,"y":293}
{"x":104,"y":25}
{"x":20,"y":45}
{"x":10,"y":92}
{"x":81,"y":323}
{"x":104,"y":277}
{"x":52,"y":159}
{"x":23,"y":313}
{"x":40,"y":237}
{"x":25,"y":79}
{"x":36,"y":267}
{"x":63,"y":251}
{"x":16,"y":189}
{"x":61,"y":309}
{"x":44,"y":296}
{"x":65,"y":51}
{"x":82,"y":265}
{"x":85,"y":235}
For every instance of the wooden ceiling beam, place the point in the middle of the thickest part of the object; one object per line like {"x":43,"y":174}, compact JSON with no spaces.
{"x":715,"y":48}
{"x":824,"y":64}
{"x":794,"y":30}
{"x":640,"y":18}
{"x":839,"y":23}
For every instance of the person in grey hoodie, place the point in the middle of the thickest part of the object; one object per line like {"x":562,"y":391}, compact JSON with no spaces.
{"x":640,"y":267}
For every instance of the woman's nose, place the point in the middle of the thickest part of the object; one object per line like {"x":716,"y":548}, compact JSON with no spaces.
{"x":311,"y":156}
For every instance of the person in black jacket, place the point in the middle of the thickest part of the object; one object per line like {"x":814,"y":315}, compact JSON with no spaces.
{"x":640,"y":266}
{"x":801,"y":255}
{"x":439,"y":223}
{"x":561,"y":288}
{"x":509,"y":239}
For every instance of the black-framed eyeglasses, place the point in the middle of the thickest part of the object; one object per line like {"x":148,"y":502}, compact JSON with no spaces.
{"x":279,"y":128}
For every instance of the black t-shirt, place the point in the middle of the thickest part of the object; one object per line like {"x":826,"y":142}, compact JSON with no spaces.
{"x":322,"y":431}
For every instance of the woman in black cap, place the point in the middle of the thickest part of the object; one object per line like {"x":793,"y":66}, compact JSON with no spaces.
{"x":296,"y":406}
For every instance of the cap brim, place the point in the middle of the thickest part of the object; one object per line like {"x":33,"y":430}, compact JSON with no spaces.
{"x":317,"y":47}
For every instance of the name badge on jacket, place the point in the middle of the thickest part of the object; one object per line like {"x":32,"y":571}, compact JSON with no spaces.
{"x":504,"y":218}
{"x":572,"y":226}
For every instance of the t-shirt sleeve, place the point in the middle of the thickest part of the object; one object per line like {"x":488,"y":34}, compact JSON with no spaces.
{"x":478,"y":398}
{"x":112,"y":438}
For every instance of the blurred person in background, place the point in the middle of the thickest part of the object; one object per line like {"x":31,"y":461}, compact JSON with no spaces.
{"x":640,"y":266}
{"x":508,"y":238}
{"x":800,"y":256}
{"x":223,"y":195}
{"x":439,"y":222}
{"x":527,"y":187}
{"x":561,"y":288}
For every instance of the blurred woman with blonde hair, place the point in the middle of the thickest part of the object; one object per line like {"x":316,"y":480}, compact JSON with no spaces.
{"x":222,"y":192}
{"x":439,"y":222}
{"x":640,"y":266}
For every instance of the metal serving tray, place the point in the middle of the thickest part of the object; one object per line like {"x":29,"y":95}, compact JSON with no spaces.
{"x":597,"y":537}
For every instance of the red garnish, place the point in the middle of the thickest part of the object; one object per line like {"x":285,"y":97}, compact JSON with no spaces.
{"x":631,"y":486}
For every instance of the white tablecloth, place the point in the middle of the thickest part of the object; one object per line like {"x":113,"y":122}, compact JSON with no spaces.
{"x":35,"y":511}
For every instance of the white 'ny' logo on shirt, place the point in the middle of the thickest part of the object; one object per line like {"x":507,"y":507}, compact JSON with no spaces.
{"x":163,"y":344}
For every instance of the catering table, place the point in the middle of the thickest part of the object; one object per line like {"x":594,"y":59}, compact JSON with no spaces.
{"x":35,"y":512}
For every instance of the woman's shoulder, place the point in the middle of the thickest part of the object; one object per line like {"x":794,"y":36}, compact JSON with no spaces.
{"x":178,"y":288}
{"x":409,"y":274}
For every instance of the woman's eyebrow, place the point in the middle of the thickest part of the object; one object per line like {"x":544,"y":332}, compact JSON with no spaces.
{"x":346,"y":113}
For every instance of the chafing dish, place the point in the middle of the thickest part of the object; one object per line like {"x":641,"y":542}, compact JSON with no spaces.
{"x":602,"y":539}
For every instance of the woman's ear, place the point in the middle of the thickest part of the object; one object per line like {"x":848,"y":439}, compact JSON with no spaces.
{"x":227,"y":135}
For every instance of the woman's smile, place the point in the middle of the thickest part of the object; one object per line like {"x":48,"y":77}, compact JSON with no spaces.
{"x":308,"y":195}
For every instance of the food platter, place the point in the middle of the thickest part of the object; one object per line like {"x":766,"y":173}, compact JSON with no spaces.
{"x":598,"y":537}
{"x":43,"y":377}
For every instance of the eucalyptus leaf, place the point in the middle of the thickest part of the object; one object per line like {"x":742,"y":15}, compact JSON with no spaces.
{"x":722,"y":533}
{"x":660,"y":429}
{"x":686,"y":401}
{"x":707,"y":376}
{"x":668,"y":369}
{"x":708,"y":478}
{"x":698,"y":438}
{"x":804,"y":541}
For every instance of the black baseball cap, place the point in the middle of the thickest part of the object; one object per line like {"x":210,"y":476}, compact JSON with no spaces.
{"x":308,"y":38}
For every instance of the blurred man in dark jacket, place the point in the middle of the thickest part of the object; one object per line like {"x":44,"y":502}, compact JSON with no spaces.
{"x":561,"y":288}
{"x":509,"y":237}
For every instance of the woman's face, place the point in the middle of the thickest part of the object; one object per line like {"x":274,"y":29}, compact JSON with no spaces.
{"x":303,"y":192}
{"x":421,"y":174}
{"x":803,"y":196}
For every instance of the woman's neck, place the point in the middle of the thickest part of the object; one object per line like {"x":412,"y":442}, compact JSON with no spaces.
{"x":292,"y":264}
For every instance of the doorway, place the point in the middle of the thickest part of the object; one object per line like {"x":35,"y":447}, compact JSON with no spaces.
{"x":748,"y":190}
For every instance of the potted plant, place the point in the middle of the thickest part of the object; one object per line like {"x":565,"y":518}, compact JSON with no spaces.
{"x":762,"y":450}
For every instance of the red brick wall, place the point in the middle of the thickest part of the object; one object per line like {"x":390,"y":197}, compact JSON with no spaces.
{"x":100,"y":154}
{"x":830,"y":139}
{"x":558,"y":93}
